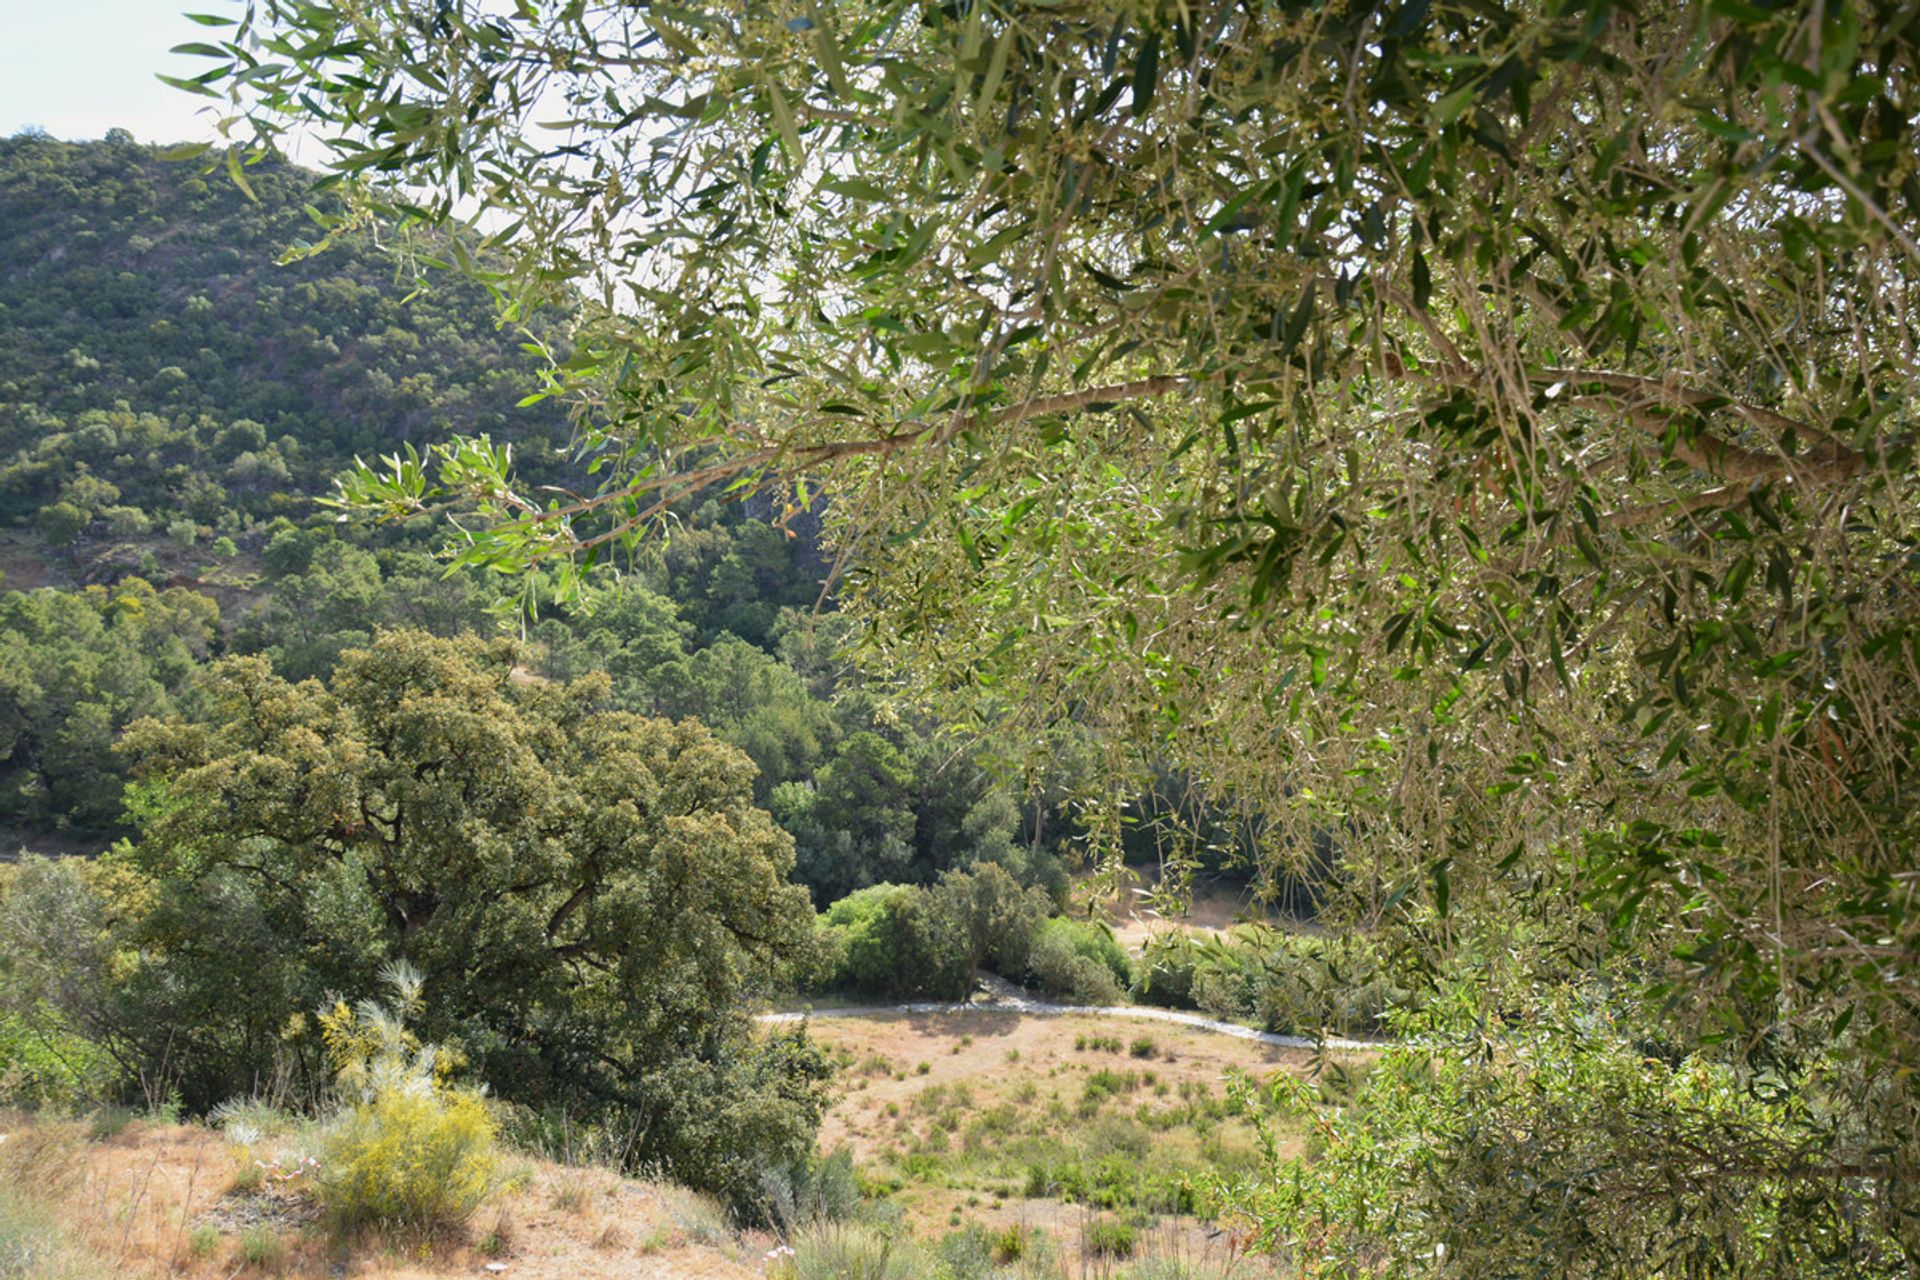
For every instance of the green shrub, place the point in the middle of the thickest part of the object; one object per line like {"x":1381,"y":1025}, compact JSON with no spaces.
{"x":896,"y":939}
{"x":1165,"y":974}
{"x":1142,"y":1047}
{"x":1057,"y":971}
{"x":1110,"y":1238}
{"x":1011,"y":1244}
{"x":260,"y":1248}
{"x":1078,"y":961}
{"x":999,"y":917}
{"x":967,"y":1254}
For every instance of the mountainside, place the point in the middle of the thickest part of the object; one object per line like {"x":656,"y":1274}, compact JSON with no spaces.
{"x":155,"y":359}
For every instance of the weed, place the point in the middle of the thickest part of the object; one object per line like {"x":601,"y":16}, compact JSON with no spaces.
{"x":849,"y":1251}
{"x":1142,"y":1047}
{"x":249,"y":1175}
{"x":1110,"y":1238}
{"x":261,"y":1248}
{"x":700,"y":1216}
{"x":923,"y":1068}
{"x":204,"y":1241}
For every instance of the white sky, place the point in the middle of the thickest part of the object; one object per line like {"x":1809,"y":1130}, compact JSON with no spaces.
{"x":78,"y":68}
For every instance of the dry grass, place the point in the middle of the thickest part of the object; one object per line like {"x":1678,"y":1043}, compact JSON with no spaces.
{"x":972,"y":1051}
{"x":160,"y":1201}
{"x":957,"y":1141}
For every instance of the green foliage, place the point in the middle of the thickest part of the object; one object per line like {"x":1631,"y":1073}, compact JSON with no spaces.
{"x":76,"y":669}
{"x":895,"y":939}
{"x":151,"y":346}
{"x":891,"y":939}
{"x":591,"y":896}
{"x":853,"y":825}
{"x":1080,"y":961}
{"x":1110,"y":1238}
{"x":1566,"y":1147}
{"x":1475,"y":441}
{"x":999,"y":917}
{"x":1296,"y":984}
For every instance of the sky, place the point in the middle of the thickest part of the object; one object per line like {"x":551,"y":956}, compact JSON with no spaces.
{"x":77,"y":68}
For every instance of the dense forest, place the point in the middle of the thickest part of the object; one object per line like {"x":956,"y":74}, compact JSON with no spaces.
{"x":173,"y":400}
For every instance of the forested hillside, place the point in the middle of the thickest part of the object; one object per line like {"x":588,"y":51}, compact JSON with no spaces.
{"x":157,"y":355}
{"x":173,"y":398}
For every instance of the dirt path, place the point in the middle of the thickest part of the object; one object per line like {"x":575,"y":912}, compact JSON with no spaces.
{"x":1003,"y":997}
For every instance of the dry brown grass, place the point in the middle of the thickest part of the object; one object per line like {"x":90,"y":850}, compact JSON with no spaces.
{"x":971,"y":1050}
{"x":139,"y":1205}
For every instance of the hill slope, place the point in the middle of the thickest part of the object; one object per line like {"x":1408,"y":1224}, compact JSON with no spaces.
{"x":154,"y":357}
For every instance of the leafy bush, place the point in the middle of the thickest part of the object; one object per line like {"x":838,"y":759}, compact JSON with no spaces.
{"x":895,"y":939}
{"x":1079,"y":961}
{"x":1294,"y":983}
{"x":1165,"y":974}
{"x":1110,"y":1238}
{"x":1289,"y":983}
{"x":999,"y":917}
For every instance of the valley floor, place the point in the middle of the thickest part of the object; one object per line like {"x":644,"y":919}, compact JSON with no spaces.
{"x":996,"y":1123}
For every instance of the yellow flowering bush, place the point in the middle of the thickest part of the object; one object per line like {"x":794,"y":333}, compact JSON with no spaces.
{"x":414,"y":1156}
{"x":408,"y":1148}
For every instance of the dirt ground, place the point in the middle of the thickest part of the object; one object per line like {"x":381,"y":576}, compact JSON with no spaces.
{"x":993,"y":1053}
{"x":895,"y":1064}
{"x":156,"y":1200}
